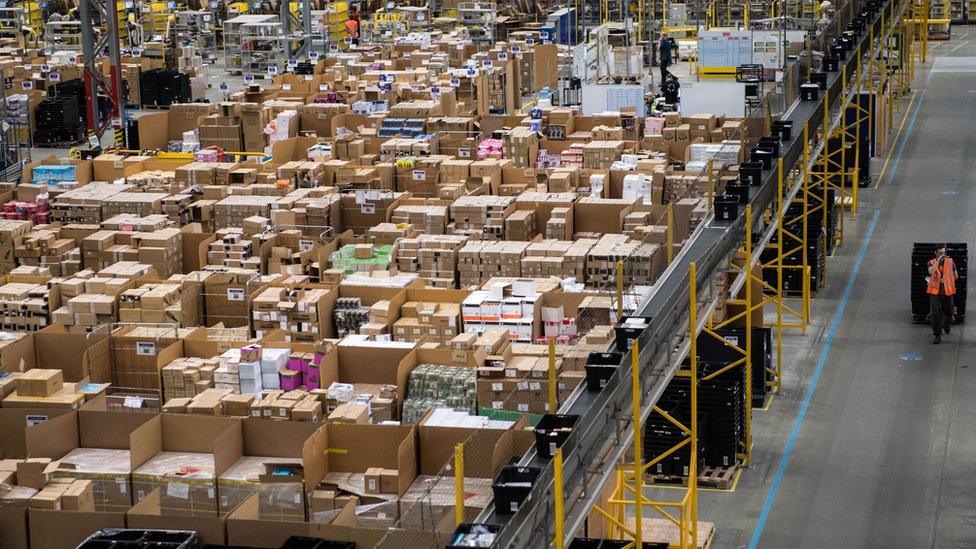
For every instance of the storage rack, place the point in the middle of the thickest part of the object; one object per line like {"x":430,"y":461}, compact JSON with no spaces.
{"x":11,"y":20}
{"x":63,"y":35}
{"x":263,"y":45}
{"x":672,"y":309}
{"x":232,"y":39}
{"x":479,"y":18}
{"x":196,"y":28}
{"x":155,"y":16}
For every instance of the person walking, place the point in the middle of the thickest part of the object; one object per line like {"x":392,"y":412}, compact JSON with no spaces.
{"x":941,"y":288}
{"x":665,"y":51}
{"x":670,"y":88}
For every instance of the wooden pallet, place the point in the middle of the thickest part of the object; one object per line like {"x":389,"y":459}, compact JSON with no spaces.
{"x":716,"y":478}
{"x":661,"y":530}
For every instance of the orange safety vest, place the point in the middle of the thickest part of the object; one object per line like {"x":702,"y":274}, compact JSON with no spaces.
{"x":946,"y":276}
{"x":353,"y":27}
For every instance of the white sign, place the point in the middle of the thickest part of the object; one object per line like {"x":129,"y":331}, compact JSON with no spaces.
{"x":145,"y":348}
{"x":235,"y":294}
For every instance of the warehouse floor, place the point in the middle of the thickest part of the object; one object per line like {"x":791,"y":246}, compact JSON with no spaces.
{"x":873,"y":441}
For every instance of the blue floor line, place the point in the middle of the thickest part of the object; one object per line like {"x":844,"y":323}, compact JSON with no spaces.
{"x":808,"y":396}
{"x":908,"y":132}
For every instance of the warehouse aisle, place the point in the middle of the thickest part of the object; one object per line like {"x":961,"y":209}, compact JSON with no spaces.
{"x":885,"y":452}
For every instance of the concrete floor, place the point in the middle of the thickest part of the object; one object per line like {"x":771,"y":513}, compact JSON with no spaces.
{"x":866,"y":447}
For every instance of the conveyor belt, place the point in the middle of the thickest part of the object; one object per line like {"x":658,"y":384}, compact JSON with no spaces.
{"x":603,"y":431}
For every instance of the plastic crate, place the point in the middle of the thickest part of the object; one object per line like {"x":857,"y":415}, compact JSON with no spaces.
{"x":463,"y":530}
{"x":552,"y":431}
{"x":302,"y":542}
{"x":600,"y":367}
{"x":121,"y":538}
{"x":512,"y":486}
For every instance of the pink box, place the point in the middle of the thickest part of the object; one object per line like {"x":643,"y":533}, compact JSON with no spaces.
{"x":291,"y":382}
{"x":297,"y":364}
{"x":311,"y":384}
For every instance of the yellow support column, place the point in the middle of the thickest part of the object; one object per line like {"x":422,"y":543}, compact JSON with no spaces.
{"x":458,"y":483}
{"x":553,"y":402}
{"x":670,"y":249}
{"x":693,"y":465}
{"x":779,"y":278}
{"x":748,"y":364}
{"x":806,"y":214}
{"x":620,"y":287}
{"x":557,"y":482}
{"x":635,"y":389}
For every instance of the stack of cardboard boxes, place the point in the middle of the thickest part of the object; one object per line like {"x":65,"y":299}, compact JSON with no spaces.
{"x":479,"y":261}
{"x":560,"y":258}
{"x":44,"y":248}
{"x":433,"y":257}
{"x":11,"y":234}
{"x":482,"y":216}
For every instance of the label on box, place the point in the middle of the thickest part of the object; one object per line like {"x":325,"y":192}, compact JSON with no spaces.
{"x":734,"y":340}
{"x":249,"y":78}
{"x":313,"y":55}
{"x":27,"y":85}
{"x":305,"y":245}
{"x":535,"y":386}
{"x":235,"y":294}
{"x":55,"y":77}
{"x":510,"y":373}
{"x":502,"y":56}
{"x":497,"y":386}
{"x":419,"y":175}
{"x":178,"y":490}
{"x":145,"y":348}
{"x":496,"y":404}
{"x":368,"y":208}
{"x":360,"y":196}
{"x":286,"y":87}
{"x":464,"y":153}
{"x":272,"y":70}
{"x":132,"y":402}
{"x":383,"y":337}
{"x":522,"y":407}
{"x":122,"y":485}
{"x":35,"y":420}
{"x":223,"y":86}
{"x":323,"y":87}
{"x":93,"y":141}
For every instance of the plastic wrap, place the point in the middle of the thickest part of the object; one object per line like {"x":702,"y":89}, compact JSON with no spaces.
{"x":108,"y":470}
{"x":240,"y":480}
{"x":431,"y":496}
{"x":185,"y":481}
{"x":281,"y":501}
{"x":15,"y":496}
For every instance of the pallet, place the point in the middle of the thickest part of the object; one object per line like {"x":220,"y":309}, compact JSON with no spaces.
{"x":715,"y":478}
{"x":156,"y":107}
{"x":661,"y":530}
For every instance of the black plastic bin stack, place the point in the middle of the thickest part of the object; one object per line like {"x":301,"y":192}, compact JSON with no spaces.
{"x":164,"y":87}
{"x":922,"y":253}
{"x":819,"y":244}
{"x":722,"y":400}
{"x":711,"y":350}
{"x":60,"y":117}
{"x":661,"y":435}
{"x":120,"y":538}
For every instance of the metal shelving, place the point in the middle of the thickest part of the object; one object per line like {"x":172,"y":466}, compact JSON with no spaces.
{"x":196,"y":28}
{"x":263,"y":46}
{"x":232,"y":39}
{"x":63,"y":35}
{"x":480,"y":19}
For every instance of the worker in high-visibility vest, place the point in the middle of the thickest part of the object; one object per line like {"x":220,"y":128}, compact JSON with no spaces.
{"x":941,"y":287}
